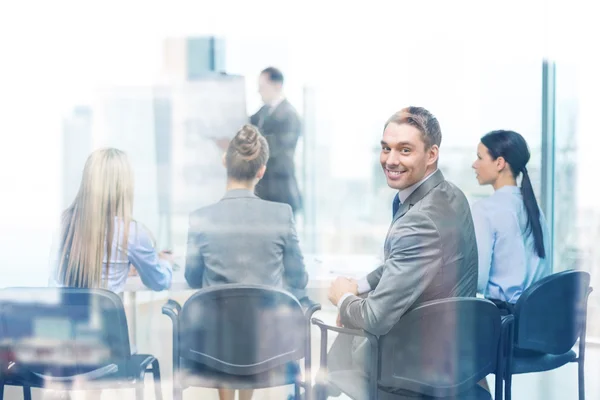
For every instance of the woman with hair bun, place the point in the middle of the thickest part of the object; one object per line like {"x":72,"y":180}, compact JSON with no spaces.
{"x":243,"y":239}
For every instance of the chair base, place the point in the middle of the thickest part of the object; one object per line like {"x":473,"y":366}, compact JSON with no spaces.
{"x":355,"y":385}
{"x":197,"y":375}
{"x":539,"y":362}
{"x":126,"y":377}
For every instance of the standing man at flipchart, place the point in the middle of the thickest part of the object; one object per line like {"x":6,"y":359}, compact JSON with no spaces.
{"x":280,"y":124}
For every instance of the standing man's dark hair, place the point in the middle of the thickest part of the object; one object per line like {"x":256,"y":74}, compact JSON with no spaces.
{"x":280,"y":124}
{"x":274,"y":74}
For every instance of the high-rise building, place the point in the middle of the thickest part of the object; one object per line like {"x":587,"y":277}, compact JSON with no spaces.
{"x":77,"y":145}
{"x":191,"y":58}
{"x":567,"y":246}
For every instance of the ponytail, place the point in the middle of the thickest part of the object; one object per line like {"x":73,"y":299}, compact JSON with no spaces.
{"x":533,"y":214}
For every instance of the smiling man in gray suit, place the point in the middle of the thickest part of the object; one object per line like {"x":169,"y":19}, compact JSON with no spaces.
{"x":430,"y":250}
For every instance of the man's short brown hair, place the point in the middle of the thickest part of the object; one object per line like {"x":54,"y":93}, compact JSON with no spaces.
{"x":421,"y":119}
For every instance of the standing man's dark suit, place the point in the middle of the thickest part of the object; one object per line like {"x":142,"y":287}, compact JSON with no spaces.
{"x":281,"y":127}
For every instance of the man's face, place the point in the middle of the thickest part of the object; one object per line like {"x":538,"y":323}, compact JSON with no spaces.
{"x":268,"y":90}
{"x":405,"y":157}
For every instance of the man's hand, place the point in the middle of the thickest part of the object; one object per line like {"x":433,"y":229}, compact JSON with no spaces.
{"x":341,"y":286}
{"x":338,"y":321}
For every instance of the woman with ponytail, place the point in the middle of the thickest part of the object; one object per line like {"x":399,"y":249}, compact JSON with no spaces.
{"x":512,"y":235}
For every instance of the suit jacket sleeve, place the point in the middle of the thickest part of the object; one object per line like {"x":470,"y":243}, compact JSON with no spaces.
{"x":415,"y":257}
{"x":285,"y":137}
{"x":254,"y":118}
{"x":293,"y":262}
{"x":484,"y":234}
{"x":194,"y":261}
{"x":155,"y":273}
{"x":374,"y":277}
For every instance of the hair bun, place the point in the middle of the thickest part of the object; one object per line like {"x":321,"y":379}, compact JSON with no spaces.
{"x":246,"y":142}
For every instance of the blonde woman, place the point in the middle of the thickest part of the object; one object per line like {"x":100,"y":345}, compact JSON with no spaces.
{"x":99,"y":239}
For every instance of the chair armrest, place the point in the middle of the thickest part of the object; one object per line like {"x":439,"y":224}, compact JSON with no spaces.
{"x":138,"y":364}
{"x":171,"y":309}
{"x":583,"y":328}
{"x":324,"y":327}
{"x":507,"y":329}
{"x":374,"y":344}
{"x":507,"y":321}
{"x":507,"y":332}
{"x":311,"y":308}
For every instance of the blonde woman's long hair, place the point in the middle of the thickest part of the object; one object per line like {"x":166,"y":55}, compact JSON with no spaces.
{"x":102,"y":206}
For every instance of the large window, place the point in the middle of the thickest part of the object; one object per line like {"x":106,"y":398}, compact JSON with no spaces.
{"x":470,"y":98}
{"x":576,"y":209}
{"x":80,"y":77}
{"x":360,"y":79}
{"x":473,"y":73}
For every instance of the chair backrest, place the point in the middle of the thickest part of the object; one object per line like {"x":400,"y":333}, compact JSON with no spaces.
{"x":62,"y":331}
{"x":441,"y":347}
{"x":242,"y":329}
{"x":550,"y":313}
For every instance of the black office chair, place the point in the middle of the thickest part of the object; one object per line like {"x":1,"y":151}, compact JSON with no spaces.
{"x":67,"y":336}
{"x":439,"y":350}
{"x":240,"y":337}
{"x":549,"y":318}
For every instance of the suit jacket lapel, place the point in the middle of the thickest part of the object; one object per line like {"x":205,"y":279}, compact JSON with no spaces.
{"x":418,"y":194}
{"x":268,"y":116}
{"x":263,"y":116}
{"x":404,"y":207}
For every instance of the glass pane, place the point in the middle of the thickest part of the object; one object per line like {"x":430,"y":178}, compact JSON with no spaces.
{"x":347,"y":201}
{"x":576,"y":209}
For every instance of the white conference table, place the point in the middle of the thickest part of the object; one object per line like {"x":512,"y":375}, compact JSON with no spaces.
{"x":322,"y":270}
